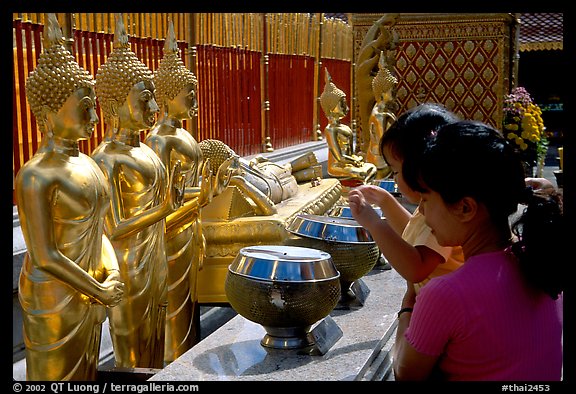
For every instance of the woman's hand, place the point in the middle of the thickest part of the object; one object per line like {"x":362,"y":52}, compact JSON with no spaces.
{"x":541,"y":185}
{"x":373,"y":194}
{"x":361,"y":209}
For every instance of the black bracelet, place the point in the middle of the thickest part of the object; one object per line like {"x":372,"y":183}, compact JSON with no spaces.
{"x":406,"y":309}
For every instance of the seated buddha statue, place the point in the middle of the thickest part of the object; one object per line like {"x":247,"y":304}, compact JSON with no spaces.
{"x":143,"y":192}
{"x":381,"y":116}
{"x":342,"y":162}
{"x":70,"y":273}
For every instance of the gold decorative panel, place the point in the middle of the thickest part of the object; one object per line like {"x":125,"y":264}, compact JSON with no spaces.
{"x":460,"y":60}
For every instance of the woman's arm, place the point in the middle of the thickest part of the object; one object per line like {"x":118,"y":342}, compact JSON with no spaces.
{"x":413,"y":263}
{"x":407,"y":362}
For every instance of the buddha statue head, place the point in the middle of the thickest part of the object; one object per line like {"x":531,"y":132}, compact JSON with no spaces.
{"x":117,"y":77}
{"x":172,"y":76}
{"x":56,"y":77}
{"x":332,"y":99}
{"x":384,"y":82}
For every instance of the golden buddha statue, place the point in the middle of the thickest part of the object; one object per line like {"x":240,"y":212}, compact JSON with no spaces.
{"x":175,"y":92}
{"x":342,"y":162}
{"x":143,"y":193}
{"x":381,"y":117}
{"x":261,"y":183}
{"x":70,"y":272}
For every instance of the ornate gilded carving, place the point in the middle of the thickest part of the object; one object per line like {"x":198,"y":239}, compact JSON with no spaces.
{"x":448,"y":45}
{"x":379,"y":39}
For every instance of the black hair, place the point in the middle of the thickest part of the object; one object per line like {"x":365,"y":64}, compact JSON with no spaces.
{"x":472,"y":159}
{"x":406,"y":137}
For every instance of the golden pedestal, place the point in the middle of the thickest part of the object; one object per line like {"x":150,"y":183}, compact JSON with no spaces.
{"x":225,"y":237}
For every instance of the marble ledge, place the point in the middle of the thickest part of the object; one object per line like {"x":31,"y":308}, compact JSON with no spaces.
{"x":234,"y":353}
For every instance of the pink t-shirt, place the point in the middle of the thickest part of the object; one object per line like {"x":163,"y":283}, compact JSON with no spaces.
{"x":487,"y":324}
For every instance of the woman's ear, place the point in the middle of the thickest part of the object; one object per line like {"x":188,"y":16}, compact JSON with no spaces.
{"x":467,"y":208}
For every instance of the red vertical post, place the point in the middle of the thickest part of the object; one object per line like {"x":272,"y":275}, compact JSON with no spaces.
{"x":202,"y":88}
{"x":23,"y":74}
{"x":214,"y":94}
{"x":37,"y":38}
{"x":226,"y":109}
{"x":257,"y":103}
{"x":16,"y":162}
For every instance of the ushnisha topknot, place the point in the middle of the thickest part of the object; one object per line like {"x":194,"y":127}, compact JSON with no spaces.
{"x":384,"y":81}
{"x":120,"y":73}
{"x":56,"y":77}
{"x":172,"y":75}
{"x":331,"y":95}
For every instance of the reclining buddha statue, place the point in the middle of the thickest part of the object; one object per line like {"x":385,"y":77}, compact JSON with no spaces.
{"x":261,"y":183}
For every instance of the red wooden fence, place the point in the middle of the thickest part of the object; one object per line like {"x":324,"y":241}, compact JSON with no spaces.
{"x":291,"y":97}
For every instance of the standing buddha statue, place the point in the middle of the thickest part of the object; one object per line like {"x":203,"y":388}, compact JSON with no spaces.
{"x":381,"y":117}
{"x":185,"y":243}
{"x":70,"y":273}
{"x":143,"y":193}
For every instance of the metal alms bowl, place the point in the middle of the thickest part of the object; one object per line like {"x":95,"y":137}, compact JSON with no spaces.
{"x":343,"y":211}
{"x":286,"y":289}
{"x":352,"y":248}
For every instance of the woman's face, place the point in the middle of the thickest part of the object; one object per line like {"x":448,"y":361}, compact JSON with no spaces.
{"x":140,"y":107}
{"x":77,"y":117}
{"x":395,"y":164}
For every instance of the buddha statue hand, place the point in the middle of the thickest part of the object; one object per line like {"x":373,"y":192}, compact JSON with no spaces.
{"x":227,"y":169}
{"x":207,"y":185}
{"x":356,"y":160}
{"x":175,"y":197}
{"x":112,"y":290}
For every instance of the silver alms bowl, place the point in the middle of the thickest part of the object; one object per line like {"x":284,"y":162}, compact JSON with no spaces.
{"x":352,"y":248}
{"x":330,"y":228}
{"x":286,"y":289}
{"x":343,"y":211}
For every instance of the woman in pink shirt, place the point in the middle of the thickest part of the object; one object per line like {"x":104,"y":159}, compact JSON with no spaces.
{"x":499,"y":316}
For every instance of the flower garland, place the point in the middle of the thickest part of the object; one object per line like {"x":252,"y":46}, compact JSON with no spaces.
{"x":523,"y":125}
